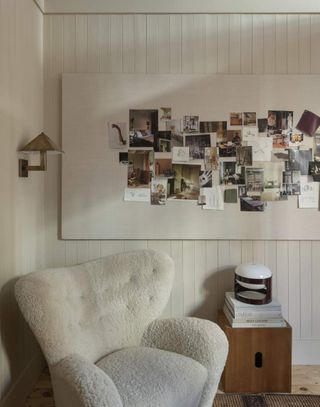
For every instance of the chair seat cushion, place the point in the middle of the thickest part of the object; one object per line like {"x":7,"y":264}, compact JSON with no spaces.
{"x":148,"y":377}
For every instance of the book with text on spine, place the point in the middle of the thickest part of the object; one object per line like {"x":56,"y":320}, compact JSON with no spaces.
{"x":253,"y":324}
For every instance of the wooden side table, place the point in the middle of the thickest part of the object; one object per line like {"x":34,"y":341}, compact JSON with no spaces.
{"x":259,"y":359}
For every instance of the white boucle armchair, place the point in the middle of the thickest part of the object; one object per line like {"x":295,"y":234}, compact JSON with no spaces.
{"x":96,"y":323}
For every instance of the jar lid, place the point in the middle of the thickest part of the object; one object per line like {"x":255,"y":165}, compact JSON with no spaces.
{"x":253,"y":270}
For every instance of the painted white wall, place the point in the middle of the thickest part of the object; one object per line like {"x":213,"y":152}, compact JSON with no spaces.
{"x":212,"y":44}
{"x":21,"y":200}
{"x":181,"y":6}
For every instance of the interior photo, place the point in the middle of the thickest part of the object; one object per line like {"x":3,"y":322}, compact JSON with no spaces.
{"x":159,"y":233}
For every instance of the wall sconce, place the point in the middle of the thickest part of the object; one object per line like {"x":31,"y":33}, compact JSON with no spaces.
{"x":43,"y":144}
{"x":308,"y":123}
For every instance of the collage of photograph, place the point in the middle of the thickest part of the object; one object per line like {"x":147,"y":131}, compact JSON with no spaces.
{"x":247,"y":159}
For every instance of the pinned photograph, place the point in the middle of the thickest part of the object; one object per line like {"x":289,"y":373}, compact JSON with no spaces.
{"x":250,"y":119}
{"x":295,"y":139}
{"x":165,"y":113}
{"x":162,"y":142}
{"x":180,"y":154}
{"x":314,"y":170}
{"x":211,"y":158}
{"x":227,"y":147}
{"x":242,"y":191}
{"x":163,"y":167}
{"x":299,"y":160}
{"x":235,"y":119}
{"x":263,"y":125}
{"x":309,"y":197}
{"x":244,"y":155}
{"x":176,"y":140}
{"x":230,"y":196}
{"x":230,"y":174}
{"x":158,"y":191}
{"x":197,"y":144}
{"x":291,"y":183}
{"x":186,"y":182}
{"x":280,"y":139}
{"x":261,"y":148}
{"x":208,"y":127}
{"x":250,"y":204}
{"x":249,"y":133}
{"x":254,"y":181}
{"x":117,"y":135}
{"x":272,"y":181}
{"x":173,"y":125}
{"x":143,"y":127}
{"x":140,"y":168}
{"x":220,"y":130}
{"x":279,"y":120}
{"x":205,"y":179}
{"x":317,"y":147}
{"x":213,"y":198}
{"x":190,"y":124}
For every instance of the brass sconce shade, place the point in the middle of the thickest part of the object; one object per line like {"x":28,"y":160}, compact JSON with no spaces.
{"x":43,"y":144}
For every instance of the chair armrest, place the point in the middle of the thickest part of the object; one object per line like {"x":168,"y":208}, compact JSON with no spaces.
{"x":80,"y":383}
{"x":199,"y":339}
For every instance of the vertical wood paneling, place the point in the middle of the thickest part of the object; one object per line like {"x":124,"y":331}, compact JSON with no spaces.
{"x":93,"y":44}
{"x":294,"y":287}
{"x":235,"y":44}
{"x":177,"y":289}
{"x":293,"y":43}
{"x":211,"y":43}
{"x":224,"y":270}
{"x":108,"y":247}
{"x":128,"y":44}
{"x":94,"y":249}
{"x":246,"y":251}
{"x":258,"y":251}
{"x":199,"y":44}
{"x":187,"y":43}
{"x":269,"y":43}
{"x":304,"y":44}
{"x":257,"y":45}
{"x":315,"y":44}
{"x":270,"y":256}
{"x":281,"y":44}
{"x":282,"y":276}
{"x":246,"y":44}
{"x":188,"y":276}
{"x":175,"y":44}
{"x":164,"y":44}
{"x":211,"y":284}
{"x":116,"y":43}
{"x":223,"y":44}
{"x":105,"y":39}
{"x":81,"y":43}
{"x":140,"y":43}
{"x":315,"y":281}
{"x":200,"y":276}
{"x":69,"y":43}
{"x":152,"y":44}
{"x":306,"y":289}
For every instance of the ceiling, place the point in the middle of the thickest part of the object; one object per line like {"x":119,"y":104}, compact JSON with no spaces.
{"x":180,"y":6}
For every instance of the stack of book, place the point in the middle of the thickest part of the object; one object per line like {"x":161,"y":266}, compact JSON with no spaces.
{"x":242,"y":315}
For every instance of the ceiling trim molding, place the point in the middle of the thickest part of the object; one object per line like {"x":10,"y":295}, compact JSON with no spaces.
{"x":180,"y":7}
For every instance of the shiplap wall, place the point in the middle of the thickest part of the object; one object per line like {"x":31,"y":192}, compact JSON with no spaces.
{"x":212,"y":44}
{"x":22,"y":199}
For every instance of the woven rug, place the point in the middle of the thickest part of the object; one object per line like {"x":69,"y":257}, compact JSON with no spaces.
{"x":266,"y":400}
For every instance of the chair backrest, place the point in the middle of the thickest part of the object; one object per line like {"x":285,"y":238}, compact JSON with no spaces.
{"x":97,"y":307}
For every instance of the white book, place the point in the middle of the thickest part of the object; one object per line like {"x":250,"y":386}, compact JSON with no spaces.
{"x":235,"y":324}
{"x":254,"y":319}
{"x":274,"y":305}
{"x":253,"y":313}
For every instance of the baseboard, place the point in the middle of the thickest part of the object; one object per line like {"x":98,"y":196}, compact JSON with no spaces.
{"x":24,"y":384}
{"x":306,"y":352}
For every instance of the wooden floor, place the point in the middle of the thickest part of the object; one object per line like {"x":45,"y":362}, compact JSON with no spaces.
{"x":305,"y":380}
